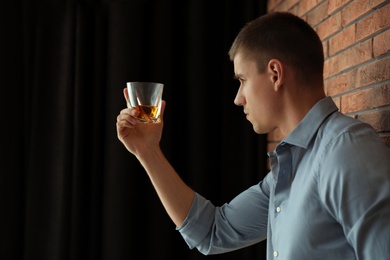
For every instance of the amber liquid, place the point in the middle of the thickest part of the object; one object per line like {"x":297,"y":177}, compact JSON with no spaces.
{"x":148,"y":114}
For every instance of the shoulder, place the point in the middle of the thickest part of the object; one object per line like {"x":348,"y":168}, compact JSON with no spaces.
{"x":353,"y":158}
{"x":342,"y":137}
{"x":338,"y":124}
{"x":350,"y":151}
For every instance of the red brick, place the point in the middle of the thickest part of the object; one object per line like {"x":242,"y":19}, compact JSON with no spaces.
{"x":374,"y":72}
{"x":342,"y":40}
{"x":337,"y":101}
{"x":373,"y":23}
{"x":358,"y":8}
{"x":294,"y":10}
{"x":305,"y":6}
{"x":271,"y":4}
{"x":366,"y":99}
{"x":333,"y":5}
{"x":348,"y":58}
{"x":340,"y":83}
{"x":380,"y":120}
{"x":381,"y":44}
{"x":326,"y":49}
{"x":286,"y":5}
{"x":329,"y":26}
{"x":318,"y":14}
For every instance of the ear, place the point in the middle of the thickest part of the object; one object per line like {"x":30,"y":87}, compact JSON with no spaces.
{"x":276,"y":73}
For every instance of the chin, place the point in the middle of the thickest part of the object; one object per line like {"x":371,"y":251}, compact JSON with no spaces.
{"x":259,"y":130}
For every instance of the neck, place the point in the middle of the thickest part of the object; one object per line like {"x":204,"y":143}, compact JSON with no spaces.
{"x":296,"y":105}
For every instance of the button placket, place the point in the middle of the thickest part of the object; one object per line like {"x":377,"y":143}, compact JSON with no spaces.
{"x":283,"y":181}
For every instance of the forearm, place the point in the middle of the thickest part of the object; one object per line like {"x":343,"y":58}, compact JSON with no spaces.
{"x":174,"y":194}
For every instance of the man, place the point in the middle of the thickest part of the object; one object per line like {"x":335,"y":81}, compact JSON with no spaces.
{"x":327,"y":195}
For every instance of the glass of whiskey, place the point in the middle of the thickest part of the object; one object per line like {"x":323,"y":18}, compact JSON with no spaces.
{"x":146,"y":98}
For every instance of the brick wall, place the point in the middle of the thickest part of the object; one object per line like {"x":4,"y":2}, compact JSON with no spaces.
{"x":356,"y":40}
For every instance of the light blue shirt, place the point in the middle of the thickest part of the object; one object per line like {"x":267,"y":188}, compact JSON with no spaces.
{"x":327,"y":196}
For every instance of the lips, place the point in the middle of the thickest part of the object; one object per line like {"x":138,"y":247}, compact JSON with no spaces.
{"x":247,"y":116}
{"x":246,"y":113}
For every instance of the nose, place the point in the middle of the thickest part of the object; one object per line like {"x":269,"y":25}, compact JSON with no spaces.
{"x":239,"y":99}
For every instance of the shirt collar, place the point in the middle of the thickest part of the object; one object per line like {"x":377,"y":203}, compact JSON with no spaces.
{"x":306,"y":129}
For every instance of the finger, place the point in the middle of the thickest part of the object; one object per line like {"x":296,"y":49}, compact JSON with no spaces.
{"x":130,"y":112}
{"x":125,"y":124}
{"x":125,"y":119}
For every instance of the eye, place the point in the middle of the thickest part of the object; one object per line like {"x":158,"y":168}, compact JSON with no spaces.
{"x":242,"y":81}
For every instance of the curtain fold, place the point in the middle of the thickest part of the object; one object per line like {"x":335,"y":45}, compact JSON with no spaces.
{"x":68,"y":188}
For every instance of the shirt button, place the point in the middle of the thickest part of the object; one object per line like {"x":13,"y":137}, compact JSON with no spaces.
{"x":276,"y":253}
{"x":278,"y":209}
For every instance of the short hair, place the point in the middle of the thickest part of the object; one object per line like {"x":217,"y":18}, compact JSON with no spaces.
{"x":286,"y":37}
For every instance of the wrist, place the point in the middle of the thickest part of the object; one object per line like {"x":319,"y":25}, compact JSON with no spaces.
{"x":148,"y":154}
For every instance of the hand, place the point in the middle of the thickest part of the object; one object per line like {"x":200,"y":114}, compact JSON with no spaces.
{"x":138,"y":138}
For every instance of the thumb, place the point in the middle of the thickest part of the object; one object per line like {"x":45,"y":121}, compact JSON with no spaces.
{"x":126,"y":95}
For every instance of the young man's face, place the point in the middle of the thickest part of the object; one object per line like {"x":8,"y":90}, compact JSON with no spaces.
{"x":256,"y":94}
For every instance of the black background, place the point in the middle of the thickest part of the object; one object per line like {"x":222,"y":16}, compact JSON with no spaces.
{"x":68,"y":188}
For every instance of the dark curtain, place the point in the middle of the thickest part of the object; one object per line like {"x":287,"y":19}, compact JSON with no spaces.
{"x":68,"y":188}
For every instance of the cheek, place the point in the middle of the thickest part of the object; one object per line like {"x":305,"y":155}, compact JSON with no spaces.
{"x":257,"y":97}
{"x":261,"y":105}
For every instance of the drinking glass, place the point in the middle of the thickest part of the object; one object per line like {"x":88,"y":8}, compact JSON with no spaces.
{"x":146,"y":98}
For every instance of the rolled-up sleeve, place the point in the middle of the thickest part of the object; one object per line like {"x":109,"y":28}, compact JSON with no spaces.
{"x":237,"y":224}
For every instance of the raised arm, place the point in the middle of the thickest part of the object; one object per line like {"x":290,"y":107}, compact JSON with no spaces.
{"x":143,"y":141}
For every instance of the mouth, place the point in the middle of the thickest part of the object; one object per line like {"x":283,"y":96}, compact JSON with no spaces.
{"x":246,"y":115}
